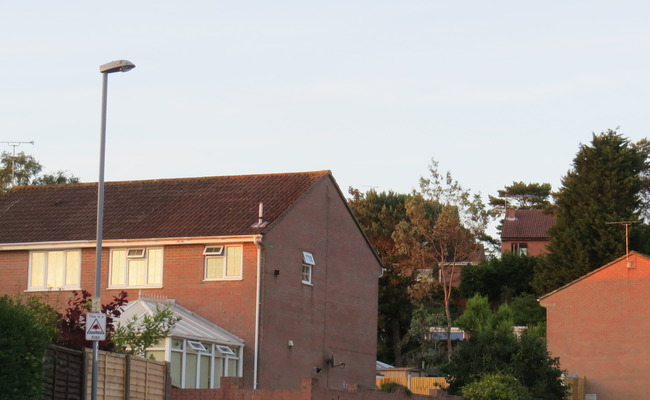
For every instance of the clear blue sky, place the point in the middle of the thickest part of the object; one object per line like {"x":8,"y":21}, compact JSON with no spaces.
{"x":496,"y":91}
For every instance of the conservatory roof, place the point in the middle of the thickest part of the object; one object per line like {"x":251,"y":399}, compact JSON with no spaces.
{"x":190,"y":326}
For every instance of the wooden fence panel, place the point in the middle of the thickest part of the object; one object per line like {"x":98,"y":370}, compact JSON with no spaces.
{"x":62,"y":373}
{"x":401,"y":381}
{"x":423,"y":385}
{"x":577,"y":387}
{"x":417,"y":385}
{"x":124,"y":377}
{"x":148,"y":379}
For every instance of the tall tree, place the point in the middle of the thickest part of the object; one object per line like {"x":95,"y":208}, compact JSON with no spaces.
{"x":444,"y":223}
{"x":21,"y":168}
{"x":57,"y":178}
{"x":604,"y":185}
{"x":523,"y":196}
{"x":24,"y":169}
{"x":378,"y":214}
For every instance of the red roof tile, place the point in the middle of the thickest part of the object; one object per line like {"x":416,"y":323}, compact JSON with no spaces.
{"x":164,"y":208}
{"x":528,"y":224}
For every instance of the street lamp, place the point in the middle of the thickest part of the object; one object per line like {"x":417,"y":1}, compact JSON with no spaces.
{"x":105,"y":69}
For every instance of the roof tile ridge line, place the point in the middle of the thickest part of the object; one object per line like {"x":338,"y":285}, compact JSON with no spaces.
{"x":322,"y":175}
{"x":196,"y":178}
{"x":585,"y":276}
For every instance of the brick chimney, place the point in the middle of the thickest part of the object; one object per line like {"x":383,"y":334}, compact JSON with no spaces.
{"x":510,"y":214}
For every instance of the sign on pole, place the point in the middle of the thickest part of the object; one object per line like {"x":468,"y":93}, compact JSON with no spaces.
{"x":95,"y":326}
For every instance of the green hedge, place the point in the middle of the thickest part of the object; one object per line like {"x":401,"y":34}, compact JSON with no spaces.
{"x":23,"y":339}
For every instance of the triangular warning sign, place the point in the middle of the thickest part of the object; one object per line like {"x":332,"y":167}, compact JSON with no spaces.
{"x":95,"y":328}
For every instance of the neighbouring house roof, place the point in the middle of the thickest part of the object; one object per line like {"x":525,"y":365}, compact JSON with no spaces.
{"x":190,"y":326}
{"x":382,"y":365}
{"x":631,"y":253}
{"x":161,"y":208}
{"x":527,"y":225}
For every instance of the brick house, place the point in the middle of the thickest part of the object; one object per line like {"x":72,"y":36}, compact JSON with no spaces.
{"x":599,"y":327}
{"x":526,"y":231}
{"x":277,"y":261}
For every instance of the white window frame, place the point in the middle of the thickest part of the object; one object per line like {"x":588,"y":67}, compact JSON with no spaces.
{"x":225,"y":350}
{"x":135,"y":253}
{"x":198,"y":346}
{"x":213,"y":250}
{"x":308,"y":263}
{"x":46,"y":268}
{"x":223,"y":254}
{"x":520,"y":248}
{"x":127,"y":258}
{"x":216,"y":352}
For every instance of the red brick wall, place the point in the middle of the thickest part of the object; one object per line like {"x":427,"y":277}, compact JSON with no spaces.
{"x":337,"y":315}
{"x":535,"y":247}
{"x":14,"y":266}
{"x":600,"y":328}
{"x":229,"y":304}
{"x":310,"y":390}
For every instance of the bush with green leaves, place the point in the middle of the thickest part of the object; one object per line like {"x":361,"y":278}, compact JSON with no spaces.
{"x":140,"y":333}
{"x":493,"y":348}
{"x":496,"y":387}
{"x":500,"y":279}
{"x":392,"y":387}
{"x":26,"y":329}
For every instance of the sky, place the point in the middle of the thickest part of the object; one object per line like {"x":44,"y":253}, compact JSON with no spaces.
{"x":373,"y":90}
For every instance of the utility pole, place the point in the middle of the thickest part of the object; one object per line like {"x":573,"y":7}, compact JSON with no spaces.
{"x":15,"y":144}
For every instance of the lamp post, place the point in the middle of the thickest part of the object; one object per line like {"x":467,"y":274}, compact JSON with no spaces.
{"x":105,"y":69}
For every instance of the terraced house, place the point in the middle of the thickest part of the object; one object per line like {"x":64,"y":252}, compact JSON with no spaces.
{"x":272,"y":274}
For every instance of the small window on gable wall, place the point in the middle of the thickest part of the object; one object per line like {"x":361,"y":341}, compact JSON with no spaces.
{"x":308,"y":263}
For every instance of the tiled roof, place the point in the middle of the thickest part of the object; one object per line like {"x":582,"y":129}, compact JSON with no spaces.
{"x":528,"y":224}
{"x":164,"y":208}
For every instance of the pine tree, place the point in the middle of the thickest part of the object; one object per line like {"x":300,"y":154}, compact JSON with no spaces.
{"x":605,"y":185}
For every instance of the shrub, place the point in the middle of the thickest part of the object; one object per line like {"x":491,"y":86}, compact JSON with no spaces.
{"x":25,"y":333}
{"x":496,"y":387}
{"x":392,"y":387}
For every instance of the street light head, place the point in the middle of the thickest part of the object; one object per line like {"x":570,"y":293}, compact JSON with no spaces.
{"x":116,"y":66}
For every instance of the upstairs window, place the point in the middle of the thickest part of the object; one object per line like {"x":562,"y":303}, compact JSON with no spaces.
{"x":519,"y":248}
{"x":136,"y":268}
{"x":307,"y":267}
{"x":223,"y":262}
{"x":50,"y":270}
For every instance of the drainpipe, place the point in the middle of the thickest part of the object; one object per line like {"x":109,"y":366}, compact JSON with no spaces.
{"x":258,"y":245}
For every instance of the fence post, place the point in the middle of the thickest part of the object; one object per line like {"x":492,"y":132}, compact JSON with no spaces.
{"x":127,"y":378}
{"x":168,"y":380}
{"x":84,"y":373}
